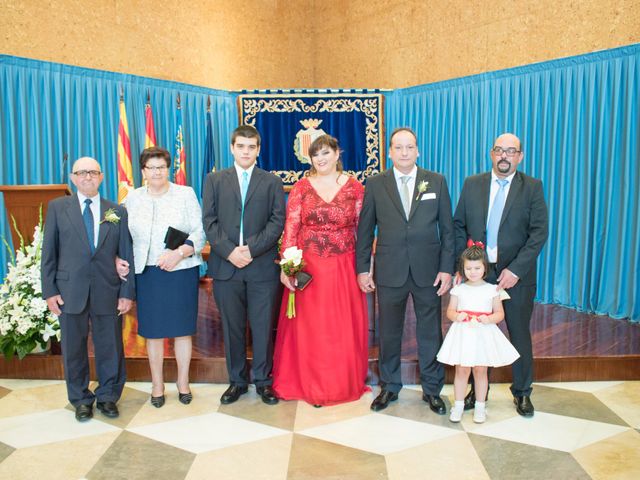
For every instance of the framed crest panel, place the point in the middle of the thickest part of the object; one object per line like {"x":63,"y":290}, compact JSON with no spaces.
{"x":289,"y":122}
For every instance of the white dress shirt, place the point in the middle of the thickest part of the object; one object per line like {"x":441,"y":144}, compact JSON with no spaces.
{"x":492,"y":253}
{"x":239,"y":172}
{"x":95,"y":210}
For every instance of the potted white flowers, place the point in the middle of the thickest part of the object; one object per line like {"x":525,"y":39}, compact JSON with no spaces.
{"x":25,"y":321}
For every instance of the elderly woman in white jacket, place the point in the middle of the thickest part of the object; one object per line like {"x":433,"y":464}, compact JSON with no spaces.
{"x":166,"y":279}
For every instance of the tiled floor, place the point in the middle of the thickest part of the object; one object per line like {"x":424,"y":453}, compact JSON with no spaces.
{"x":580,"y":430}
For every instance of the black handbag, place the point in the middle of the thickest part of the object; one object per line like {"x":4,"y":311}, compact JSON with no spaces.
{"x":174,"y":238}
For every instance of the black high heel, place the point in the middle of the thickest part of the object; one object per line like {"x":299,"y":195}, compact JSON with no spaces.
{"x":184,"y":398}
{"x":157,"y":401}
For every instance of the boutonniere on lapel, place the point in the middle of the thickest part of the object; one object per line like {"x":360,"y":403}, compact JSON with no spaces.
{"x":111,"y":216}
{"x":422,"y":187}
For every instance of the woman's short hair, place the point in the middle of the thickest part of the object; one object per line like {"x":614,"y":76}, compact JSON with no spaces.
{"x":321,"y":142}
{"x":473,"y":253}
{"x":154,"y":152}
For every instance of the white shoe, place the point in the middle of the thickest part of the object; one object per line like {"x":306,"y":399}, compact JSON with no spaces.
{"x":456,"y":414}
{"x":479,"y":415}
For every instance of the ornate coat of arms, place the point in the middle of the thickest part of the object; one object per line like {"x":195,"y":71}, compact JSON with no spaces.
{"x":304,"y":138}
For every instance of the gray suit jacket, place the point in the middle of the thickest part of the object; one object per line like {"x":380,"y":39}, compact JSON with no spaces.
{"x":72,"y":271}
{"x":523,"y":227}
{"x":264,"y":214}
{"x":423,"y":245}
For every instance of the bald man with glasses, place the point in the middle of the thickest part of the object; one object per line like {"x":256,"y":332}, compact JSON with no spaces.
{"x":505,"y":209}
{"x":83,"y":234}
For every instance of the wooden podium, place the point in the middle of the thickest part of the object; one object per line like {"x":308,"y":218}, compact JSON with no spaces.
{"x":23,"y":203}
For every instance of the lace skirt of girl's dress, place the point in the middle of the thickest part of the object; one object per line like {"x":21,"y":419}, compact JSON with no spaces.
{"x":321,"y":355}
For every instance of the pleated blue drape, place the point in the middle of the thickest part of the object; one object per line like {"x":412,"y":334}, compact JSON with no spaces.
{"x":578,"y":118}
{"x":49,"y":109}
{"x":579,"y":121}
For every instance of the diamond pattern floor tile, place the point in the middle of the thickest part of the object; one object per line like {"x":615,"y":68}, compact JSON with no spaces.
{"x":509,"y":460}
{"x":207,"y":432}
{"x":313,"y":458}
{"x":23,"y":401}
{"x":614,"y":457}
{"x":133,"y":457}
{"x":379,"y":434}
{"x":70,"y":459}
{"x":444,"y":456}
{"x":269,"y":460}
{"x":572,"y":403}
{"x":47,"y":427}
{"x":550,"y":431}
{"x":580,"y":430}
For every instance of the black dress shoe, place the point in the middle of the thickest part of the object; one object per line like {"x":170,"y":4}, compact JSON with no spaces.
{"x":470,"y":400}
{"x":267,"y":394}
{"x":233,"y":393}
{"x":84,"y":413}
{"x":524,"y":406}
{"x":157,"y":401}
{"x":436,"y":404}
{"x":108,"y":409}
{"x":382,"y":401}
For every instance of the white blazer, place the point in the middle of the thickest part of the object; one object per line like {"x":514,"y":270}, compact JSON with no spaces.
{"x":149,"y":219}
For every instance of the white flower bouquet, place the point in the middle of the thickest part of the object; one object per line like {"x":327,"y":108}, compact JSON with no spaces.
{"x":291,"y":264}
{"x":25,"y":320}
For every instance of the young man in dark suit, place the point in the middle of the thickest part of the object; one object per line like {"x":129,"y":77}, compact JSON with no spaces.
{"x":411,"y":208}
{"x":83,"y":234}
{"x":243,"y":216}
{"x":506,"y":210}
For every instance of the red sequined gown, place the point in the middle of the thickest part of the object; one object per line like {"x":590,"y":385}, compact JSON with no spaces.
{"x":321,"y":355}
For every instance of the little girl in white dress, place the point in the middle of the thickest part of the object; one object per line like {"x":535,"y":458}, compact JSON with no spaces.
{"x":474,"y":341}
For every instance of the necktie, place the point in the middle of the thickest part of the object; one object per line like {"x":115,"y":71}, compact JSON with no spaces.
{"x":87,"y":217}
{"x":406,"y":196}
{"x":495,"y":215}
{"x":244,"y":186}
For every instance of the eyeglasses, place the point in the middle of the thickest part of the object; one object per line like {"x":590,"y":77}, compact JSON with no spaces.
{"x":511,"y":151}
{"x":156,"y":169}
{"x":91,"y":173}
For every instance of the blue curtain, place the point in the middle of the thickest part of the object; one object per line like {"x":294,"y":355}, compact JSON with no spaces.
{"x":49,"y":109}
{"x":578,"y":119}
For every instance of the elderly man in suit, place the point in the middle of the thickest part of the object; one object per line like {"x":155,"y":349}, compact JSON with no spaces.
{"x":243,"y":217}
{"x":506,"y":210}
{"x":414,"y":255}
{"x":83,"y":235}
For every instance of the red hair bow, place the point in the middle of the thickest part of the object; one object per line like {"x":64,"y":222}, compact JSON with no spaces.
{"x":471,"y":243}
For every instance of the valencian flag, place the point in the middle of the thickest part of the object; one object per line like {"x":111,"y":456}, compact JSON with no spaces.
{"x":209,"y":164}
{"x":125,"y":171}
{"x":149,"y":127}
{"x":180,"y":158}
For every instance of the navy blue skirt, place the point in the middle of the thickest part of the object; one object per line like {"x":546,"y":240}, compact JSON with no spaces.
{"x":167,"y":302}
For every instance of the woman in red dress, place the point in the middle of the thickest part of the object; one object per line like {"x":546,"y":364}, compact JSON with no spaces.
{"x":321,"y":354}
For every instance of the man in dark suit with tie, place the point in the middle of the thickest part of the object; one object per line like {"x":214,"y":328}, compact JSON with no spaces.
{"x":243,"y":216}
{"x":83,"y":234}
{"x":506,"y":210}
{"x":414,"y":255}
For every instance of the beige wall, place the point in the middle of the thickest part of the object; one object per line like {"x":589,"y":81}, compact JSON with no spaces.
{"x":235,"y":44}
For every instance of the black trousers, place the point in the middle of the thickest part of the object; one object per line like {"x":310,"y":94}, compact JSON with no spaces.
{"x":392,"y":303}
{"x":517,"y":314}
{"x":106,"y":333}
{"x":240,"y":299}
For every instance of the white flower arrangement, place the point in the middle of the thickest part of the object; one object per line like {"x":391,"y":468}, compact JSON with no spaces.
{"x":422,"y":187}
{"x":25,"y":320}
